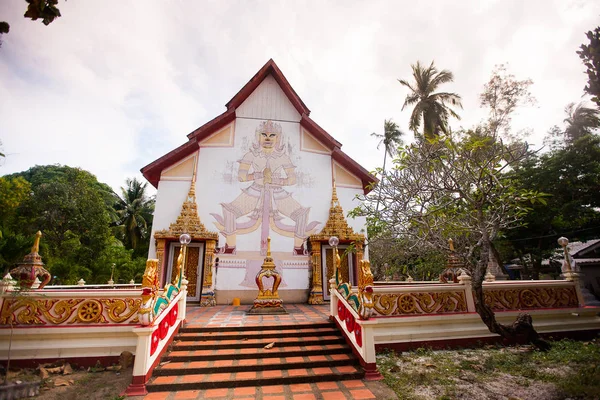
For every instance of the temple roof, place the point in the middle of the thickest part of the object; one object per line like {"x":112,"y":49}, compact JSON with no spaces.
{"x":153,"y":170}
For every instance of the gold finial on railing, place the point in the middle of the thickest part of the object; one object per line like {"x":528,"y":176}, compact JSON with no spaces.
{"x":36,"y":244}
{"x":451,"y":243}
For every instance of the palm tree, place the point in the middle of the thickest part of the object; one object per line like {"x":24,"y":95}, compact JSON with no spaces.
{"x":135,"y":210}
{"x":391,"y":140}
{"x":581,"y":121}
{"x":433,"y":109}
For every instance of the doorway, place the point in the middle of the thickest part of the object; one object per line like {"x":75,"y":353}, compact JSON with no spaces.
{"x":194,"y":268}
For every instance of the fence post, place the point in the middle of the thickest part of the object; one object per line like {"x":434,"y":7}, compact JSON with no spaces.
{"x":465,"y":280}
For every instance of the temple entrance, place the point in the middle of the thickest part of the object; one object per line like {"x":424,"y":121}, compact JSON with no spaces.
{"x":346,"y":267}
{"x":194,"y":267}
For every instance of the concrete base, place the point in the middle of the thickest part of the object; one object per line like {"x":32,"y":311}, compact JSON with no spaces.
{"x":293,"y":296}
{"x":267,"y":310}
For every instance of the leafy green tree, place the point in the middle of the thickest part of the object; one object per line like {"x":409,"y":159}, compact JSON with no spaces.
{"x":70,"y":207}
{"x":590,"y":55}
{"x":570,"y":176}
{"x":134,"y":209}
{"x":458,"y":186}
{"x":581,"y":121}
{"x":432,"y":109}
{"x":13,"y":245}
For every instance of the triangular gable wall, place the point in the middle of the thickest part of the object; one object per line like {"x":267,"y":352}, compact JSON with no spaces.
{"x":268,"y":101}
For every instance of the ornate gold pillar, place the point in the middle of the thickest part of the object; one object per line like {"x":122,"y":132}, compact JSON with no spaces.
{"x":160,"y":255}
{"x":316,"y":291}
{"x":189,"y":222}
{"x":208,"y":292}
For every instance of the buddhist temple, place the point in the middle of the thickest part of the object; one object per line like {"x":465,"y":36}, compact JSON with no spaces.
{"x":263,"y":168}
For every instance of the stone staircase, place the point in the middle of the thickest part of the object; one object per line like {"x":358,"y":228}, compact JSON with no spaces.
{"x":226,"y":357}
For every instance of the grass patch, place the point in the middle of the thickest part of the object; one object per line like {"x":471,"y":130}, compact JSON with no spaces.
{"x":569,"y":369}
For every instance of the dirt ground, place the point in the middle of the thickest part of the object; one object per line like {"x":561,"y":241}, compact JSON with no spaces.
{"x":81,"y":384}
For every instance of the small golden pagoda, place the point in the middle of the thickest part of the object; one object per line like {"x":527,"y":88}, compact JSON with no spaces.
{"x":268,"y":300}
{"x":32,"y":267}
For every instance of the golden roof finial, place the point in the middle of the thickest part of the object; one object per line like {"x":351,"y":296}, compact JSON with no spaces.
{"x":36,"y":244}
{"x":334,"y":198}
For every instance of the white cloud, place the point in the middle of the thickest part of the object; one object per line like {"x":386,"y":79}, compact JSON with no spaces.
{"x":113,"y":85}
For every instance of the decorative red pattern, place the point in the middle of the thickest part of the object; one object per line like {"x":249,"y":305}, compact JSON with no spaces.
{"x":163,"y":328}
{"x":358,"y":335}
{"x":350,"y":322}
{"x":173,"y":314}
{"x":154,"y":342}
{"x":341,"y":311}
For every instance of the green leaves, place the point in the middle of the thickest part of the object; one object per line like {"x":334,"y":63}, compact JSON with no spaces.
{"x":44,"y":9}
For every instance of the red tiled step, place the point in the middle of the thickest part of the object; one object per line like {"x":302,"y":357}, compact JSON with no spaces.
{"x":255,"y":343}
{"x":239,"y":354}
{"x":258,"y":328}
{"x":280,"y":333}
{"x":257,"y":378}
{"x":183,"y":368}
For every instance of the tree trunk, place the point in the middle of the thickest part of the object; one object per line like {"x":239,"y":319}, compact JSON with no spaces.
{"x":522,"y":328}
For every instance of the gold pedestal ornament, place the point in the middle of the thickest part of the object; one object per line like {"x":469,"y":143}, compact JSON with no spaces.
{"x":32,"y":267}
{"x":268,"y":301}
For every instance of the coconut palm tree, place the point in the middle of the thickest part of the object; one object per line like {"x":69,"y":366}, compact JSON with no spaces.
{"x":581,"y":121}
{"x":391,"y":140}
{"x":134,"y":209}
{"x":432,"y":109}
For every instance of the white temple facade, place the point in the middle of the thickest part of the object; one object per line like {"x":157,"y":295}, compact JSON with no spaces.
{"x":261,"y":169}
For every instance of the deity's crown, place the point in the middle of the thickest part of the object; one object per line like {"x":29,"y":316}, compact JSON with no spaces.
{"x":268,"y":127}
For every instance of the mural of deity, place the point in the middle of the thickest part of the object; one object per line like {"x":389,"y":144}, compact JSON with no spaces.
{"x":265,"y":202}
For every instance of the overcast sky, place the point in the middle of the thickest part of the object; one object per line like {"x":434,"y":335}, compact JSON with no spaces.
{"x":113,"y":85}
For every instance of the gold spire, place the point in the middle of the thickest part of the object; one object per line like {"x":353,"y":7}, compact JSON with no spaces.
{"x":188,"y":220}
{"x":451,"y":243}
{"x":336,"y":224}
{"x":268,"y":263}
{"x":36,"y":244}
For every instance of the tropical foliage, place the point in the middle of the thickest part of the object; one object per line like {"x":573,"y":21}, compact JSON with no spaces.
{"x":431,"y":109}
{"x":75,"y":213}
{"x":590,"y":55}
{"x":134,"y":210}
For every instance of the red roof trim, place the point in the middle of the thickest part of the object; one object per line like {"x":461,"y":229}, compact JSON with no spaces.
{"x":269,"y":68}
{"x":319,"y":132}
{"x":368,"y":180}
{"x":211,"y":126}
{"x":153,"y":170}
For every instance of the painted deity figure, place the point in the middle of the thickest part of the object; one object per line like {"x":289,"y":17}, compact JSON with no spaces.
{"x":265,"y":202}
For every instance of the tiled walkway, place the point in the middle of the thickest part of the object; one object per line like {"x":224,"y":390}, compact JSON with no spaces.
{"x":231,"y":316}
{"x":236,"y":316}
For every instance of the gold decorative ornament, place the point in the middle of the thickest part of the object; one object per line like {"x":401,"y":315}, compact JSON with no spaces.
{"x":189,"y":222}
{"x":268,"y":301}
{"x":32,"y":267}
{"x":32,"y":311}
{"x":528,"y":298}
{"x":336,"y":225}
{"x":120,"y":310}
{"x":89,"y":311}
{"x":419,"y":303}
